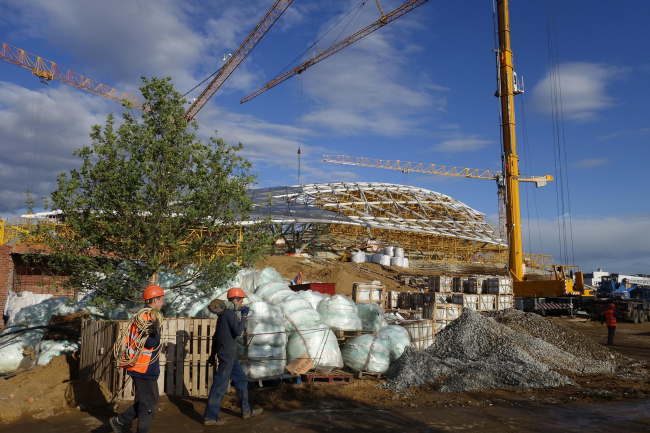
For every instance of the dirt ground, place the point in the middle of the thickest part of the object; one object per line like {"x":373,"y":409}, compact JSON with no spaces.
{"x":344,"y":274}
{"x":50,"y":399}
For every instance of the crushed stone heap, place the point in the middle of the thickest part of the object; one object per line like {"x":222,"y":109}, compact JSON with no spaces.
{"x":507,"y":349}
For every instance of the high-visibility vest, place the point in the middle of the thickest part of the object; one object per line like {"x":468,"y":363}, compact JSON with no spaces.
{"x":142,"y":363}
{"x":610,"y":318}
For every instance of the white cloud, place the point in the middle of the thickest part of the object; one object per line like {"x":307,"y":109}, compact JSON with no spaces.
{"x":582,"y":93}
{"x":461,"y":143}
{"x":591,"y":162}
{"x":629,"y":135}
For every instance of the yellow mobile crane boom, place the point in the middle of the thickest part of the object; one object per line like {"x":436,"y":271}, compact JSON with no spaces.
{"x":236,"y":59}
{"x":47,"y":70}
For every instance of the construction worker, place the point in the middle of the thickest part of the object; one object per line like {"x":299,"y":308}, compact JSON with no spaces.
{"x":145,"y":371}
{"x":224,"y":347}
{"x":298,"y":279}
{"x":610,"y":317}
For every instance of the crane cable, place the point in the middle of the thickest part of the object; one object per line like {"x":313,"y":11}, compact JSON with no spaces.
{"x":559,"y":146}
{"x":128,"y":346}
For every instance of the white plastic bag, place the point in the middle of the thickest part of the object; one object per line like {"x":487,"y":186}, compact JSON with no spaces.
{"x":398,"y":340}
{"x":314,"y":298}
{"x":340,"y":313}
{"x":319,"y":343}
{"x":367,"y":353}
{"x":372,"y":316}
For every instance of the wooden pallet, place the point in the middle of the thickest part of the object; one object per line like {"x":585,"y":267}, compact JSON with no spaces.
{"x":268,"y":382}
{"x":335,"y":377}
{"x":358,"y":374}
{"x":342,"y":334}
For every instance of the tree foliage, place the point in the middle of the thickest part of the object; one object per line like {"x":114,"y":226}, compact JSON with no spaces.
{"x":149,"y":197}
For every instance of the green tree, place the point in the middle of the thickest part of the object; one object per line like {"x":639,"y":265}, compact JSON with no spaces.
{"x":150,"y":197}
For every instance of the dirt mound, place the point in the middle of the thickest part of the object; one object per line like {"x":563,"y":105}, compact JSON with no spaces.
{"x":48,"y":390}
{"x":343,"y":274}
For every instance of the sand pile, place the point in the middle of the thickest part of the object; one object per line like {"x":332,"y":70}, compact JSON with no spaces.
{"x":511,"y":349}
{"x":48,"y":390}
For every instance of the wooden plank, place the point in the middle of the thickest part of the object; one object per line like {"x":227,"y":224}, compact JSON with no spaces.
{"x":180,"y":330}
{"x":162,"y":358}
{"x":171,"y":357}
{"x":187,"y":357}
{"x":196,"y":356}
{"x":211,"y":329}
{"x":202,"y":371}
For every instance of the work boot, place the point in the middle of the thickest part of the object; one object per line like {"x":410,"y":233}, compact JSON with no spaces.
{"x":217,"y":421}
{"x":115,"y":425}
{"x":253,"y":412}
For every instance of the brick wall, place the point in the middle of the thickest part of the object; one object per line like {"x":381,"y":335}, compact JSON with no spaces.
{"x":16,"y":275}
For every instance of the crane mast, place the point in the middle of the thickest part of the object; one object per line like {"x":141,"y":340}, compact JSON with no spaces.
{"x":510,"y":160}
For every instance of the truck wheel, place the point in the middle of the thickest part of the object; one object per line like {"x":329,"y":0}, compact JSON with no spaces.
{"x":635,"y":316}
{"x":641,"y":316}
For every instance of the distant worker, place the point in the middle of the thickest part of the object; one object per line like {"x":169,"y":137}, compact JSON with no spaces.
{"x":141,"y":362}
{"x":224,"y":347}
{"x":610,"y":317}
{"x":298,"y":279}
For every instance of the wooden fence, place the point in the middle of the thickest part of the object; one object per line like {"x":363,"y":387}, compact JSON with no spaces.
{"x":184,"y":369}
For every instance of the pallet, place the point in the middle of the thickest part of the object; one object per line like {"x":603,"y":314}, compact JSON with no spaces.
{"x":268,"y":382}
{"x":358,"y":374}
{"x":335,"y":377}
{"x":342,"y":334}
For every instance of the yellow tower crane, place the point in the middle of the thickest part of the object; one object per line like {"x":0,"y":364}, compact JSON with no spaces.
{"x":443,"y":170}
{"x":47,"y":70}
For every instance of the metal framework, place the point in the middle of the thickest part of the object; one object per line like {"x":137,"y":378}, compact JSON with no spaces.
{"x":427,"y":224}
{"x":47,"y":70}
{"x":385,"y":19}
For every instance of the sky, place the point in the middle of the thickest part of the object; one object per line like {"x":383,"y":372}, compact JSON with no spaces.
{"x":420,"y":89}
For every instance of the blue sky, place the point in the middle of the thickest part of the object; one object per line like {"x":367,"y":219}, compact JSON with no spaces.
{"x":421,"y":89}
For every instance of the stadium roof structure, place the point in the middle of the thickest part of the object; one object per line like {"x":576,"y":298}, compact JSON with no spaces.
{"x":373,"y":205}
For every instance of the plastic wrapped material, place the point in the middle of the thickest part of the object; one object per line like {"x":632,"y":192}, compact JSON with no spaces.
{"x":50,"y":349}
{"x":298,"y":312}
{"x":17,"y":301}
{"x":388,"y":251}
{"x":262,"y":349}
{"x":372,"y":316}
{"x":274,"y":292}
{"x":369,"y":258}
{"x":314,"y":298}
{"x":405,"y":263}
{"x":367,"y":353}
{"x":397,"y":261}
{"x":250,"y":281}
{"x":384,"y":260}
{"x":399,"y":252}
{"x":398,"y":340}
{"x":40,"y":314}
{"x":376,"y":258}
{"x":358,"y":257}
{"x":15,"y":348}
{"x":340,"y":313}
{"x":319,"y":343}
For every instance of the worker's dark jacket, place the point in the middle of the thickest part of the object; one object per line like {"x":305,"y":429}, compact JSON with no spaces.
{"x":224,"y":340}
{"x":153,"y":371}
{"x":610,"y":317}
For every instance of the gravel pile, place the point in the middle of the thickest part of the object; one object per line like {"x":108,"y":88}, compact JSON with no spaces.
{"x":510,"y":349}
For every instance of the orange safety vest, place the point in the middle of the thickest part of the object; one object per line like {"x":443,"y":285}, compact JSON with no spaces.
{"x":610,"y":318}
{"x":142,"y":363}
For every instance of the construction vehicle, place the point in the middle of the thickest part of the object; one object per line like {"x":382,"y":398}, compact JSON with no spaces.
{"x":632,"y":301}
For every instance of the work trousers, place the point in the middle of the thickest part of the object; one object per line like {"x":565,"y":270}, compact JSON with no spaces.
{"x":229,"y":368}
{"x":611,"y":330}
{"x":144,"y":406}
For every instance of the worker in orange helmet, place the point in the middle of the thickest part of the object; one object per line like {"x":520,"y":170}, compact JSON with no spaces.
{"x":609,"y":318}
{"x":298,"y":279}
{"x":224,"y":347}
{"x":145,"y":371}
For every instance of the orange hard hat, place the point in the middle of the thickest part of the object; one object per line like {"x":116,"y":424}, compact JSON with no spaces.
{"x":152,"y":291}
{"x":612,"y":305}
{"x":236,"y":292}
{"x":299,"y":273}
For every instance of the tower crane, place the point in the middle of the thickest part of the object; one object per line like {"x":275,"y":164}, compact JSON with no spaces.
{"x":47,"y":70}
{"x":238,"y":57}
{"x":385,"y":19}
{"x":443,"y":170}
